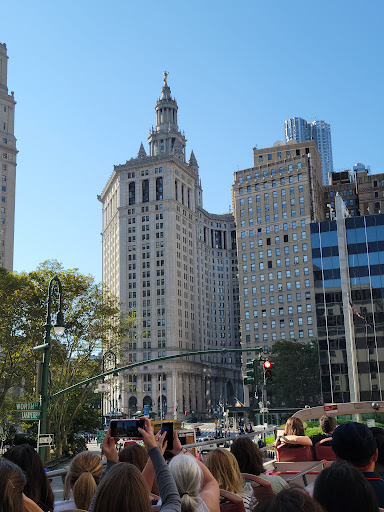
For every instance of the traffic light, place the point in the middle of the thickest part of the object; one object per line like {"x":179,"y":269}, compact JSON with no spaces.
{"x":251,"y":378}
{"x":267,"y":366}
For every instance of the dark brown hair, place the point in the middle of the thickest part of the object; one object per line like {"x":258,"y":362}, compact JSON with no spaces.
{"x":341,"y":486}
{"x":248,"y":456}
{"x":82,"y":478}
{"x":294,"y":426}
{"x":293,"y":499}
{"x":138,"y":456}
{"x":12,"y":482}
{"x":37,"y":488}
{"x":122,"y":488}
{"x":328,"y":424}
{"x":134,"y":454}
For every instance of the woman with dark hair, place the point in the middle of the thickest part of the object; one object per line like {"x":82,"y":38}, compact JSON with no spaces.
{"x":37,"y":488}
{"x":343,"y":487}
{"x":250,"y":460}
{"x":138,"y":456}
{"x":125,"y":488}
{"x":12,"y":482}
{"x":293,"y":499}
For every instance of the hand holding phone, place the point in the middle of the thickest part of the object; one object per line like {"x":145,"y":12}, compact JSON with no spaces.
{"x":126,"y":428}
{"x":167,"y":427}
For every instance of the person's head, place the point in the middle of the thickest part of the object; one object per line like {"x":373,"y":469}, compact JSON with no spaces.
{"x":327,"y":424}
{"x":122,"y":488}
{"x":293,"y":499}
{"x":248,"y":456}
{"x":12,"y":482}
{"x":294,"y":426}
{"x":134,"y":454}
{"x":188,"y":476}
{"x":341,"y":486}
{"x":224,"y":467}
{"x":37,"y":488}
{"x":83,"y":478}
{"x":378,"y":434}
{"x":355,"y":443}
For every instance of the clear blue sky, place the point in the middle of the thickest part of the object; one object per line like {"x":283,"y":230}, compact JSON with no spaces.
{"x":86,"y":76}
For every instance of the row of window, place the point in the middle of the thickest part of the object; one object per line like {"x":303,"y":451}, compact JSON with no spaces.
{"x":272,"y":311}
{"x":265,"y":173}
{"x":266,"y":184}
{"x":290,"y":323}
{"x":280,"y":298}
{"x":268,"y":218}
{"x":273,"y":337}
{"x":283,"y":193}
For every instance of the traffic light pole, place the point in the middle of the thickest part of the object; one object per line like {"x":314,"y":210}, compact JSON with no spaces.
{"x":152,"y":361}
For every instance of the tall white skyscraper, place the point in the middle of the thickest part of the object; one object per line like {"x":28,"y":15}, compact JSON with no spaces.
{"x":300,"y":130}
{"x":175,"y":265}
{"x":8,"y":154}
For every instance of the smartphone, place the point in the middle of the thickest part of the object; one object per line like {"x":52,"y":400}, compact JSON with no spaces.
{"x":126,"y":428}
{"x":167,"y":426}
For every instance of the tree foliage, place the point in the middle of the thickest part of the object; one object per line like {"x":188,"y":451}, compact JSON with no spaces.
{"x":296,"y":374}
{"x":92,"y":317}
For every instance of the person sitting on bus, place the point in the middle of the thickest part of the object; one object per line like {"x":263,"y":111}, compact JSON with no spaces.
{"x":378,"y":434}
{"x":250,"y":460}
{"x":224,"y":467}
{"x":198,"y":489}
{"x":124,"y":488}
{"x":341,"y":486}
{"x":327,"y":425}
{"x":354,"y":442}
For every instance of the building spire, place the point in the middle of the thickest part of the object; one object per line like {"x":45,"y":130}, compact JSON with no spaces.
{"x":166,"y":137}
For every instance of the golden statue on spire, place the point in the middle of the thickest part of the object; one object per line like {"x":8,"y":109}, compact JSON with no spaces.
{"x":165,"y":78}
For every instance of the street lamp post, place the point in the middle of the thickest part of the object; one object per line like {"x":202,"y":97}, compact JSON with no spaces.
{"x":59,"y":329}
{"x":108,"y":357}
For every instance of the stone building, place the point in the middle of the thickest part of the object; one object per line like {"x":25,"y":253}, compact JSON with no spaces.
{"x":175,"y":265}
{"x":8,"y":154}
{"x":274,"y":204}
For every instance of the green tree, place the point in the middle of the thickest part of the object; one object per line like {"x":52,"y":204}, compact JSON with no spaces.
{"x":93,"y":322}
{"x":296,"y":374}
{"x":92,"y":317}
{"x":19,"y":305}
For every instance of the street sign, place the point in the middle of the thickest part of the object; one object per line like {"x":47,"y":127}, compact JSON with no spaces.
{"x":27,"y":406}
{"x":100,"y":436}
{"x":30,"y":415}
{"x":146,"y":411}
{"x":45,"y":439}
{"x":331,"y":409}
{"x":102,"y":388}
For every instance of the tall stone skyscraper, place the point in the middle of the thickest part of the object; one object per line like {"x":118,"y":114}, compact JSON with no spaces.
{"x":8,"y":165}
{"x":300,"y":130}
{"x":174,"y":264}
{"x":274,"y":204}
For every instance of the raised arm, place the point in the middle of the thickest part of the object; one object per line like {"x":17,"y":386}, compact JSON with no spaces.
{"x":304,"y":440}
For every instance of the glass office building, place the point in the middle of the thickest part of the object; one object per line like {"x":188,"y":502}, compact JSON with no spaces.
{"x":348,"y":266}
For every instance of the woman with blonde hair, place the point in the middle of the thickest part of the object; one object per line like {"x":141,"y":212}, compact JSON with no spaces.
{"x":81,"y":482}
{"x":225,"y":468}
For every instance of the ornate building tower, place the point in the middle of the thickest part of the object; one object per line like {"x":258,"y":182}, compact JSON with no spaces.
{"x":8,"y":154}
{"x":174,"y":264}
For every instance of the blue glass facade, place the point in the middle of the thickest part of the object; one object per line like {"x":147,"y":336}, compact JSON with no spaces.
{"x":365,"y":274}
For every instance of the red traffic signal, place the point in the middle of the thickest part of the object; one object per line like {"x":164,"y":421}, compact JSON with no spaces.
{"x":267,"y":364}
